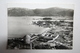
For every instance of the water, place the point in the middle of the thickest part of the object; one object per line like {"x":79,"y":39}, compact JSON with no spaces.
{"x":20,"y":26}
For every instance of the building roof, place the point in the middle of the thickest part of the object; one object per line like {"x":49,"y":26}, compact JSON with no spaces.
{"x":47,"y":18}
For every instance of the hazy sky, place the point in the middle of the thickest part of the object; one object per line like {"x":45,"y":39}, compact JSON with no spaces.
{"x":40,"y":5}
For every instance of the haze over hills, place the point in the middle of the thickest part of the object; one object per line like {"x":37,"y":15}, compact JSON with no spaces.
{"x":54,"y":11}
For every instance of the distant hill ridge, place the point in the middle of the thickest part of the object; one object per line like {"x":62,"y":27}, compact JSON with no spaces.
{"x":54,"y":11}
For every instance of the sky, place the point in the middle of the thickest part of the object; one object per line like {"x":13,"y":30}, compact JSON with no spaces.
{"x":40,"y":5}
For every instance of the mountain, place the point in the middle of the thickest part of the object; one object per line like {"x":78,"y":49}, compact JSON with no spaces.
{"x":54,"y":11}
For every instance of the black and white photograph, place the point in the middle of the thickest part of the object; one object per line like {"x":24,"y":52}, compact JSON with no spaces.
{"x":40,"y":26}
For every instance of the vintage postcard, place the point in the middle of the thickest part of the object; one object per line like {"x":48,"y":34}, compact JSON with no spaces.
{"x":40,"y":26}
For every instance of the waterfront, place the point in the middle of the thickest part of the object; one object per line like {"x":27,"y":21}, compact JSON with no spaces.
{"x":55,"y":33}
{"x":19,"y":26}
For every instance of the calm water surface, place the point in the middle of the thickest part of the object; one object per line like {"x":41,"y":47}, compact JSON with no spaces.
{"x":19,"y":26}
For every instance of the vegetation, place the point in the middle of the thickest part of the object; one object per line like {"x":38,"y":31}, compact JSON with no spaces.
{"x":40,"y":12}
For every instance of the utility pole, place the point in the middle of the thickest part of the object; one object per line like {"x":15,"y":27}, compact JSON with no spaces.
{"x":31,"y":45}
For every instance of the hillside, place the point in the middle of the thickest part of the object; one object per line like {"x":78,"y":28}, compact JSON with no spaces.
{"x":55,"y":11}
